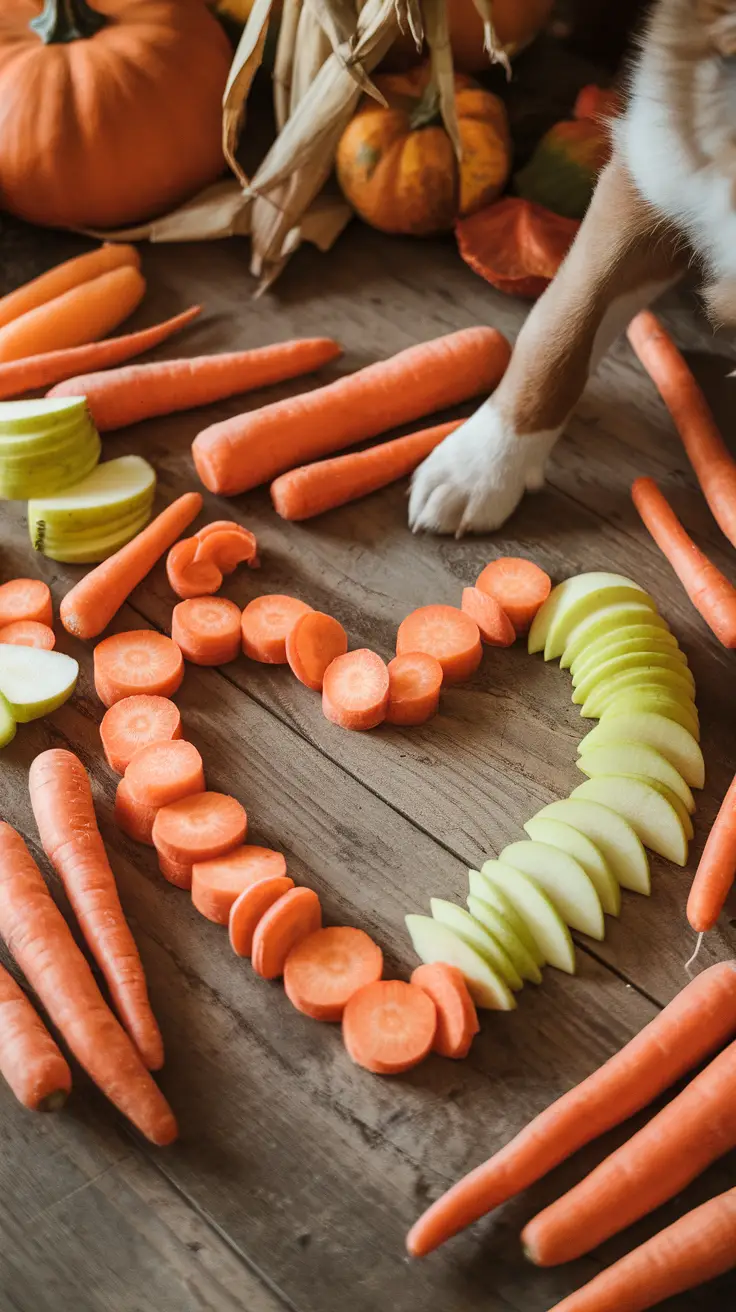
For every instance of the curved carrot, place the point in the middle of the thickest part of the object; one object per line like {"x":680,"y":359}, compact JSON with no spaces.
{"x":711,"y":594}
{"x":414,"y":685}
{"x":88,"y":608}
{"x":695,"y":1024}
{"x":133,"y":723}
{"x":717,"y":868}
{"x":30,"y":1061}
{"x":494,"y":625}
{"x":292,"y":918}
{"x":519,"y":586}
{"x":28,"y":633}
{"x":188,"y":577}
{"x":141,"y":661}
{"x":61,"y":798}
{"x":239,"y":453}
{"x":446,"y":633}
{"x":64,"y":277}
{"x":25,"y":599}
{"x":389,"y":1026}
{"x":40,"y":940}
{"x":355,"y":690}
{"x":76,"y":317}
{"x":207,"y":630}
{"x":326,"y":968}
{"x":457,"y":1019}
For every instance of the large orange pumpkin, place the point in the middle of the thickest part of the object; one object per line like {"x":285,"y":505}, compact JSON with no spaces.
{"x":397,"y":166}
{"x":111,"y":114}
{"x":516,"y":23}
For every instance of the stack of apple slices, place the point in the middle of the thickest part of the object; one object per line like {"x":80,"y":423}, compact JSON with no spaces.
{"x":97,"y":516}
{"x":33,"y":683}
{"x":45,"y":445}
{"x":641,"y":761}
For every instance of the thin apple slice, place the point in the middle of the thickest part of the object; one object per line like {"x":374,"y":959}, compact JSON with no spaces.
{"x":675,"y":802}
{"x":608,"y":621}
{"x":641,"y":664}
{"x":434,"y":941}
{"x":632,"y":758}
{"x":572,"y":601}
{"x":622,"y":643}
{"x":7,"y":723}
{"x":112,"y":491}
{"x":499,"y":928}
{"x":585,"y":852}
{"x":466,"y":926}
{"x":35,"y":682}
{"x":482,"y":888}
{"x":651,"y":816}
{"x":563,"y":880}
{"x":671,"y":682}
{"x":45,"y":413}
{"x":540,"y":913}
{"x":619,"y":843}
{"x":89,"y":550}
{"x":652,"y":700}
{"x":676,"y":744}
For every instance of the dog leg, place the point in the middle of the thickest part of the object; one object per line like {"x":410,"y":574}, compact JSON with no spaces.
{"x":620,"y":260}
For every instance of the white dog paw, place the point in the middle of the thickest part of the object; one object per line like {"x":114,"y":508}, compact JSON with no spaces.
{"x":476,"y":478}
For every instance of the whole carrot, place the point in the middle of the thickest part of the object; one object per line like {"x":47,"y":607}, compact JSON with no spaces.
{"x":61,"y":798}
{"x":714,"y":466}
{"x":91,"y":604}
{"x":32,"y":371}
{"x":40,"y":940}
{"x":124,"y":396}
{"x":711,"y":594}
{"x":249,"y":449}
{"x":717,"y":868}
{"x":695,"y":1024}
{"x":63,"y":277}
{"x":79,"y":315}
{"x":29,"y":1059}
{"x":698,"y":1247}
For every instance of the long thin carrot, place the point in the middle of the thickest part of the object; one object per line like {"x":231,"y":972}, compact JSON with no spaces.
{"x":708,"y":589}
{"x":696,"y":1023}
{"x":312,"y":489}
{"x":717,"y":868}
{"x":61,"y":798}
{"x":698,"y":1247}
{"x":140,"y":391}
{"x":33,"y":371}
{"x":249,"y":449}
{"x":78,"y":316}
{"x":39,"y":938}
{"x":30,"y":1061}
{"x":64,"y":277}
{"x":90,"y":605}
{"x":708,"y":454}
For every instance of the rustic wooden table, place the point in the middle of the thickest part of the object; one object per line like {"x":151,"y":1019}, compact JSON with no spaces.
{"x":297,"y":1174}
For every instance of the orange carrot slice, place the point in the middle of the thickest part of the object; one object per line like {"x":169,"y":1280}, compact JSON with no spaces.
{"x":355,"y":690}
{"x":494,"y":625}
{"x":457,"y":1019}
{"x":28,"y":633}
{"x":141,"y":661}
{"x":164,"y":772}
{"x":217,"y":884}
{"x":178,"y":873}
{"x":228,"y":546}
{"x":389,"y":1026}
{"x":189,"y":577}
{"x":296,"y":915}
{"x":266,"y":624}
{"x":322,"y":973}
{"x":199,"y":827}
{"x":519,"y":586}
{"x":135,"y":722}
{"x":315,"y":641}
{"x":446,"y":633}
{"x":249,"y":908}
{"x":135,"y":820}
{"x":414,"y":683}
{"x":25,"y":599}
{"x":207,"y":630}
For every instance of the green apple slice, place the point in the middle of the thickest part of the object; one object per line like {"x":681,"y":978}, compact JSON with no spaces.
{"x":489,"y":893}
{"x":46,"y":413}
{"x":675,"y":802}
{"x":43,"y":475}
{"x":606,"y":623}
{"x":640,"y":663}
{"x":670,"y":682}
{"x":664,"y":735}
{"x":563,"y":880}
{"x":434,"y":941}
{"x":43,"y":532}
{"x":619,"y":843}
{"x":636,"y":759}
{"x":35,"y":682}
{"x":572,"y":601}
{"x":88,"y":550}
{"x":652,"y":700}
{"x":498,"y":927}
{"x":466,"y":926}
{"x":113,"y":490}
{"x":639,"y":637}
{"x":539,"y":912}
{"x":7,"y":723}
{"x":650,"y":814}
{"x":585,"y":852}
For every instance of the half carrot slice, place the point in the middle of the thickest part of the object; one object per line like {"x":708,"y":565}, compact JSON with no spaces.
{"x":519,"y":586}
{"x":134,"y":819}
{"x":315,"y":641}
{"x":217,"y":884}
{"x":414,"y":684}
{"x":136,"y":722}
{"x":388,"y":1027}
{"x":249,"y":908}
{"x":444,"y":632}
{"x":189,"y":577}
{"x":355,"y":690}
{"x":25,"y":599}
{"x":207,"y":630}
{"x":141,"y":661}
{"x":494,"y":625}
{"x":323,"y":972}
{"x":266,"y":624}
{"x":165,"y":772}
{"x":296,"y":915}
{"x":29,"y":633}
{"x":199,"y":828}
{"x":457,"y":1019}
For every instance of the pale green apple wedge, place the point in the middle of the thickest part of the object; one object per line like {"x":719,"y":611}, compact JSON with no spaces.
{"x":113,"y":490}
{"x":563,"y":880}
{"x":572,"y":601}
{"x":648,"y":700}
{"x":676,"y":744}
{"x":640,"y":663}
{"x":466,"y":926}
{"x":539,"y":912}
{"x":45,"y":413}
{"x":670,"y":682}
{"x":607,"y":622}
{"x":651,"y":816}
{"x":482,"y":888}
{"x":499,"y":928}
{"x":42,"y":475}
{"x":585,"y":852}
{"x":636,"y":759}
{"x":7,"y":723}
{"x":611,"y":646}
{"x":434,"y":941}
{"x":675,"y":802}
{"x":619,"y":843}
{"x":93,"y":550}
{"x":43,"y":533}
{"x":35,"y":682}
{"x":31,"y":446}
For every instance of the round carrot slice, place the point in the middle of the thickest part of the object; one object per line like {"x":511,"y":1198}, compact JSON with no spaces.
{"x":519,"y":586}
{"x":189,"y":577}
{"x":355,"y":690}
{"x":295,"y":915}
{"x":457,"y":1019}
{"x":164,"y":772}
{"x":389,"y":1026}
{"x":494,"y":625}
{"x":141,"y":661}
{"x":25,"y":599}
{"x":28,"y":633}
{"x":266,"y":624}
{"x":323,"y":972}
{"x":250,"y":907}
{"x":135,"y":722}
{"x":176,"y":872}
{"x":207,"y":629}
{"x":135,"y":820}
{"x":199,"y":827}
{"x":445,"y":633}
{"x":227,"y":547}
{"x":414,"y":683}
{"x":217,"y":884}
{"x":315,"y":641}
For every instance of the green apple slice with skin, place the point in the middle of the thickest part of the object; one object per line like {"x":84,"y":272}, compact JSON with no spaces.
{"x":607,"y":622}
{"x":563,"y":880}
{"x":540,"y":913}
{"x":35,"y":682}
{"x":639,"y":663}
{"x":612,"y":647}
{"x":619,"y":843}
{"x":7,"y":723}
{"x":433,"y":941}
{"x":44,"y":533}
{"x":674,"y":743}
{"x":480,"y":887}
{"x":17,"y":452}
{"x":636,"y":759}
{"x":43,"y":477}
{"x":46,"y":413}
{"x":650,"y":814}
{"x":499,"y":928}
{"x":584,"y":851}
{"x":675,"y":802}
{"x":92,"y":550}
{"x":466,"y":926}
{"x":115,"y":489}
{"x":670,"y":682}
{"x":648,"y":700}
{"x":571,"y":601}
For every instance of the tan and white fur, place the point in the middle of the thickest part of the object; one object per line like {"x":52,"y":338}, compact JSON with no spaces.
{"x":668,"y":197}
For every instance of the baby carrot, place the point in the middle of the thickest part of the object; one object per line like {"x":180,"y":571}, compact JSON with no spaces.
{"x":446,"y":633}
{"x":164,"y":772}
{"x":88,"y":608}
{"x":133,"y":723}
{"x":355,"y":690}
{"x":717,"y":868}
{"x":132,"y":817}
{"x":314,"y":642}
{"x":239,"y":453}
{"x":389,"y":1026}
{"x":326,"y":968}
{"x":217,"y":884}
{"x":28,"y":633}
{"x":266,"y":623}
{"x":414,"y":684}
{"x":30,"y":1061}
{"x":142,"y":661}
{"x":519,"y":586}
{"x":76,"y":317}
{"x":494,"y":625}
{"x":292,"y":918}
{"x":250,"y":907}
{"x":25,"y":599}
{"x":64,"y":277}
{"x":207,"y":630}
{"x":457,"y":1019}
